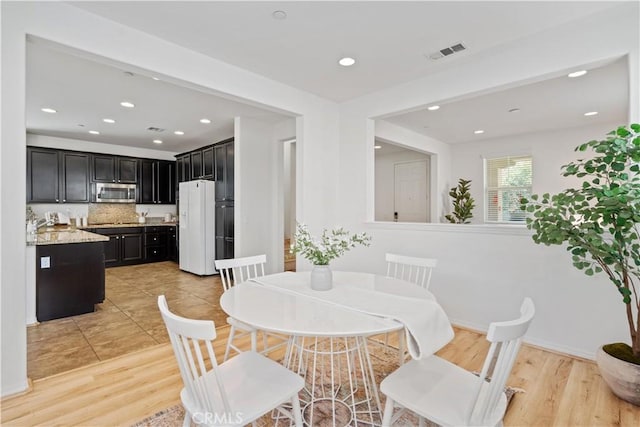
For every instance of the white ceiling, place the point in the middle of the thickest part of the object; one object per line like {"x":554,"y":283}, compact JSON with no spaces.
{"x":555,"y":103}
{"x":389,"y":40}
{"x":84,"y":92}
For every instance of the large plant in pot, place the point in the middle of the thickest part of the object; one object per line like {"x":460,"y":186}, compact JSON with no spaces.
{"x":600,"y":223}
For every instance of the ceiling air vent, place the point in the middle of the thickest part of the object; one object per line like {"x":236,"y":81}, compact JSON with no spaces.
{"x":458,"y":47}
{"x":155,"y":129}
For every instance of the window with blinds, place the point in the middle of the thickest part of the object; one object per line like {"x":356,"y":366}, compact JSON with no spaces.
{"x":507,"y":180}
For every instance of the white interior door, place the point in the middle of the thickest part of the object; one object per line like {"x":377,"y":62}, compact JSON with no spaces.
{"x":411,"y":180}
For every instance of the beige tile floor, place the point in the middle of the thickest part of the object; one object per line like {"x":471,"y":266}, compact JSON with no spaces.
{"x":127,"y":321}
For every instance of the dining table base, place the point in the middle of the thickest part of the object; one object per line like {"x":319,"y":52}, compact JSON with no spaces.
{"x":340,"y":387}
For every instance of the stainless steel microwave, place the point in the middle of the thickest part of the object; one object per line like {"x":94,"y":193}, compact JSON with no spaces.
{"x":115,"y":193}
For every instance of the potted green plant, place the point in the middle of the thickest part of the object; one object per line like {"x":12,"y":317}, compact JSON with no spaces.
{"x":599,"y":222}
{"x":320,"y":252}
{"x":463,"y":203}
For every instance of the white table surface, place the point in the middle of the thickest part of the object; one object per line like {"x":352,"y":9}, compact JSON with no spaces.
{"x":274,"y":310}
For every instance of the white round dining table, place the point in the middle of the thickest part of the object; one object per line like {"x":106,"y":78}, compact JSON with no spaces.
{"x":325,"y":334}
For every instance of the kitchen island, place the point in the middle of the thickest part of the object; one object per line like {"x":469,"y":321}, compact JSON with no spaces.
{"x":66,"y":271}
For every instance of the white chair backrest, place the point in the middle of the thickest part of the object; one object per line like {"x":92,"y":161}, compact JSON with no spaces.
{"x":505,"y":338}
{"x":411,"y":269}
{"x":238,"y":270}
{"x":187,"y":337}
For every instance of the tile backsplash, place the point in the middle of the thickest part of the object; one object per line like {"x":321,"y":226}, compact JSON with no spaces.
{"x":104,"y":213}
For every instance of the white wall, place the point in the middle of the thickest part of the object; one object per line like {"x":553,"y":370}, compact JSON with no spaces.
{"x":385,"y":180}
{"x":484,"y":271}
{"x":255,"y":171}
{"x":316,"y":130}
{"x":550,"y":150}
{"x":97,"y":147}
{"x":439,"y":166}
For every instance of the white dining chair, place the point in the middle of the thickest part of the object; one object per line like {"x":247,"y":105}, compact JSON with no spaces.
{"x":238,"y":270}
{"x":236,"y":392}
{"x":411,"y":269}
{"x":448,"y":395}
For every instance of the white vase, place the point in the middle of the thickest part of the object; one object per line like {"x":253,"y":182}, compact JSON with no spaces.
{"x":321,"y":278}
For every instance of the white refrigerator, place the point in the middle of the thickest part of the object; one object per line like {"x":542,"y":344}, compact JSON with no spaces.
{"x":196,"y":231}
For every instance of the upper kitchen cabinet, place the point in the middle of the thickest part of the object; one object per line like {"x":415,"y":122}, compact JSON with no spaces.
{"x":224,"y":169}
{"x":55,"y":176}
{"x":183,"y":167}
{"x":157,"y":182}
{"x":108,"y":168}
{"x":202,"y":164}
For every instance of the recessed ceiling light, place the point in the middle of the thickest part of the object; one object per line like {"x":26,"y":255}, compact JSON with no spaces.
{"x":155,"y":78}
{"x":205,"y":121}
{"x":94,"y":132}
{"x":179,"y":132}
{"x":433,"y":108}
{"x":49,"y":110}
{"x":478,"y":132}
{"x":127,"y":104}
{"x":377,"y":147}
{"x":591,"y":113}
{"x":346,"y":61}
{"x":108,"y":120}
{"x":514,"y":110}
{"x":577,"y":73}
{"x":157,"y":141}
{"x":279,"y":15}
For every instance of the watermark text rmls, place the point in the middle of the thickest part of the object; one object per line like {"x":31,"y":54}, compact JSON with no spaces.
{"x":225,"y":418}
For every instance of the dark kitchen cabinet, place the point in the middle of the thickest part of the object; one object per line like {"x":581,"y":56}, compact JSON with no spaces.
{"x":196,"y":165}
{"x":155,"y":243}
{"x":71,"y":281}
{"x":224,"y":170}
{"x":56,"y":176}
{"x":208,"y":163}
{"x":157,"y":182}
{"x":224,"y":230}
{"x":183,"y":168}
{"x":172,"y":245}
{"x":107,"y":168}
{"x":125,"y":245}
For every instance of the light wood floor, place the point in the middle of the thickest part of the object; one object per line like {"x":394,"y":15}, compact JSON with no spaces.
{"x":559,"y":390}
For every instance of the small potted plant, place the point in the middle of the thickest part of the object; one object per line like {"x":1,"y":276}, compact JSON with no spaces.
{"x":463,"y":203}
{"x":331,"y":244}
{"x":598,"y":221}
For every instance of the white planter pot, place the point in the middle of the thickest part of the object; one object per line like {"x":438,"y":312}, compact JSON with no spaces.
{"x":321,"y":278}
{"x":622,"y":377}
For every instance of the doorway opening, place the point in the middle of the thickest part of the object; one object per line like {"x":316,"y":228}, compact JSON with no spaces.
{"x":289,"y":187}
{"x":402,"y":184}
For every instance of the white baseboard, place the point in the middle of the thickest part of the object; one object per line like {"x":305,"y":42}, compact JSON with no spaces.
{"x":547,"y":345}
{"x":17,"y":388}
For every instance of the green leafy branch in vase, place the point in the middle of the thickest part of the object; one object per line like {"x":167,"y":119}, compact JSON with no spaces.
{"x":331,"y":244}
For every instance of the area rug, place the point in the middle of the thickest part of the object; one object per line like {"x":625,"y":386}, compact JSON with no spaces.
{"x":384,"y":362}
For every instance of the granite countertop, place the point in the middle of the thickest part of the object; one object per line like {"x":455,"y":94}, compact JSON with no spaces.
{"x":63,"y":236}
{"x":130,"y":224}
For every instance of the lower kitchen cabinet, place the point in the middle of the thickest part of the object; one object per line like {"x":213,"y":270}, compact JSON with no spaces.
{"x":155,"y":243}
{"x":137,"y":245}
{"x":125,"y":245}
{"x":172,"y":246}
{"x":69,"y":279}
